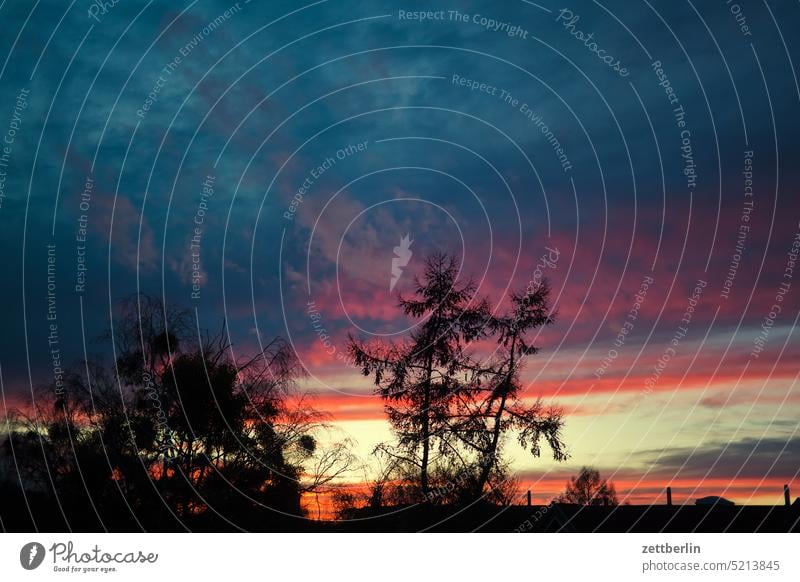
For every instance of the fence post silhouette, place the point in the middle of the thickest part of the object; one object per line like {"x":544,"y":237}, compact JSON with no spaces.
{"x":786,"y":495}
{"x":529,"y":497}
{"x":669,"y":496}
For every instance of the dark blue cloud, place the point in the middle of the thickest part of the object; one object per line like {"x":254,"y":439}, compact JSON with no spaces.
{"x":149,"y":100}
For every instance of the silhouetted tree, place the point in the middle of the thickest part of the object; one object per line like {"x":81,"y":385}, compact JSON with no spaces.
{"x":175,"y":427}
{"x":440,"y":396}
{"x":589,"y":488}
{"x":499,"y":406}
{"x":417,"y":379}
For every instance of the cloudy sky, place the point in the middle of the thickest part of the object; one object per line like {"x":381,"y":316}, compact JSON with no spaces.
{"x":246,"y":159}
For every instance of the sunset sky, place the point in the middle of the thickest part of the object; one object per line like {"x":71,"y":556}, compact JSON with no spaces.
{"x":274,"y":154}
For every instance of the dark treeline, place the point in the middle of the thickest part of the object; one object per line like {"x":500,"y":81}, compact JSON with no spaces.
{"x":173,"y":433}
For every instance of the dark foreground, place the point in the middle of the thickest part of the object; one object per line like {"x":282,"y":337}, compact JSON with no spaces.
{"x":475,"y":518}
{"x":572,"y":518}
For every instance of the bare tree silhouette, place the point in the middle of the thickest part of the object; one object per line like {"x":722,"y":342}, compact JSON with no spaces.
{"x":495,"y":406}
{"x":589,"y":488}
